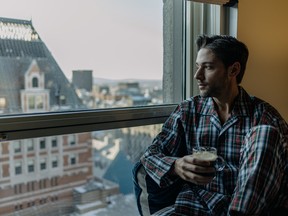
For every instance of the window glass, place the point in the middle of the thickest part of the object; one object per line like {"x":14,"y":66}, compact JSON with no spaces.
{"x":34,"y":82}
{"x":30,"y":145}
{"x":31,"y":102}
{"x":61,"y":180}
{"x":43,"y":164}
{"x":72,"y":139}
{"x":54,"y":162}
{"x":17,"y":146}
{"x":31,"y":166}
{"x":42,"y":143}
{"x":54,"y":142}
{"x":131,"y":70}
{"x":18,"y":168}
{"x":109,"y":55}
{"x":72,"y":160}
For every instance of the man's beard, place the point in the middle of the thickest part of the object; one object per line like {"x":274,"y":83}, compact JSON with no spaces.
{"x":210,"y":92}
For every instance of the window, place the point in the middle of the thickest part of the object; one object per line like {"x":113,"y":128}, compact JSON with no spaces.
{"x":71,"y":87}
{"x":35,"y":102}
{"x":30,"y":145}
{"x":133,"y":79}
{"x":43,"y":164}
{"x":54,"y":162}
{"x":18,"y":168}
{"x":28,"y":186}
{"x":54,"y":143}
{"x":30,"y":166}
{"x":71,"y":139}
{"x":32,"y":185}
{"x":18,"y":207}
{"x":54,"y":181}
{"x":31,"y":102}
{"x":17,"y":188}
{"x":42,"y":143}
{"x":39,"y":102}
{"x":17,"y":146}
{"x":35,"y":82}
{"x":72,"y":159}
{"x":145,"y":73}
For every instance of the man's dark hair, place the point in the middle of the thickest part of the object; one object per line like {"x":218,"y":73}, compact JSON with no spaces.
{"x":228,"y":49}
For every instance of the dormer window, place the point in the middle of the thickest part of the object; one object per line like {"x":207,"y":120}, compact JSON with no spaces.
{"x":35,"y":82}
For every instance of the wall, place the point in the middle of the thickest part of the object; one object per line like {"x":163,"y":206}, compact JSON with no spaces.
{"x":262,"y":25}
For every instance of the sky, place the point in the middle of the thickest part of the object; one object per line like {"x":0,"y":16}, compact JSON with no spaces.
{"x":117,"y":39}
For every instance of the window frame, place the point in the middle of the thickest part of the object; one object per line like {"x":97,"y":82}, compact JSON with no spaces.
{"x":27,"y":126}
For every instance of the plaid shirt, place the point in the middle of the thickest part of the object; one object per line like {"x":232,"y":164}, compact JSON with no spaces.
{"x":195,"y":122}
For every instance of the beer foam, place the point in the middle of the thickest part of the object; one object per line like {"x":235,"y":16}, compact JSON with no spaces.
{"x":205,"y":155}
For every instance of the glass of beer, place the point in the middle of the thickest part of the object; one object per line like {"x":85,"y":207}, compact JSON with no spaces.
{"x":210,"y":154}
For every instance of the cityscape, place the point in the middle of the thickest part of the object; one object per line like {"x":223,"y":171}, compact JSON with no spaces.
{"x":74,"y":174}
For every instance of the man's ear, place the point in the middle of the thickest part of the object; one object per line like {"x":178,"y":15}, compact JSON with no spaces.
{"x":234,"y":69}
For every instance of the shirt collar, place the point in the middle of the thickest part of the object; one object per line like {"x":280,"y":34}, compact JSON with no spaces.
{"x":242,"y":105}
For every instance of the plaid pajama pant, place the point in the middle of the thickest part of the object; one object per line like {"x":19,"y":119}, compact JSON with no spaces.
{"x":261,"y":189}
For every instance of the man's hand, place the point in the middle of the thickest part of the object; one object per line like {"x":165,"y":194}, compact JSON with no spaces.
{"x":194,"y":170}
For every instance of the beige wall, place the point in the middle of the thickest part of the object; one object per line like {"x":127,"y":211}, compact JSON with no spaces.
{"x":263,"y":26}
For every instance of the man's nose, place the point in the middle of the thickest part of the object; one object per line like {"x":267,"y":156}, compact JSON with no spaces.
{"x":199,"y":74}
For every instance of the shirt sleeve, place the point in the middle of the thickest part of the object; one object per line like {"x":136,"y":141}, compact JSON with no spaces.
{"x":167,"y":146}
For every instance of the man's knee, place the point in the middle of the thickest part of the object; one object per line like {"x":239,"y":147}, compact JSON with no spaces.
{"x":262,"y":137}
{"x":263,"y":141}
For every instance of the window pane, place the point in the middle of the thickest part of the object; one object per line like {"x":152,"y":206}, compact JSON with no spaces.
{"x":91,"y":176}
{"x":109,"y":55}
{"x":42,"y":143}
{"x":54,"y":142}
{"x":29,"y":144}
{"x":17,"y":146}
{"x":18,"y":168}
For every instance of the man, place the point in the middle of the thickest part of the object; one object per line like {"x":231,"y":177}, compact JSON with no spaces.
{"x":248,"y":133}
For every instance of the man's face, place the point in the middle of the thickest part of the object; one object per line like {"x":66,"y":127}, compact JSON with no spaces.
{"x":211,"y":74}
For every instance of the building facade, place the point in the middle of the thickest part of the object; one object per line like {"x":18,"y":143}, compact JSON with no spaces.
{"x":37,"y":176}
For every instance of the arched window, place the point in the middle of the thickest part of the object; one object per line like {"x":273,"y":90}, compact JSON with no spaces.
{"x":35,"y":82}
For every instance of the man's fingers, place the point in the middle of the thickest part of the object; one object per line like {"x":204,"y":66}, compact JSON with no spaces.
{"x":197,"y":178}
{"x":197,"y":173}
{"x":191,"y":160}
{"x":198,"y":169}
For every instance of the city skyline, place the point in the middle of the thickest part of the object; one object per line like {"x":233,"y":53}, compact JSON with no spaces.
{"x":103,"y":48}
